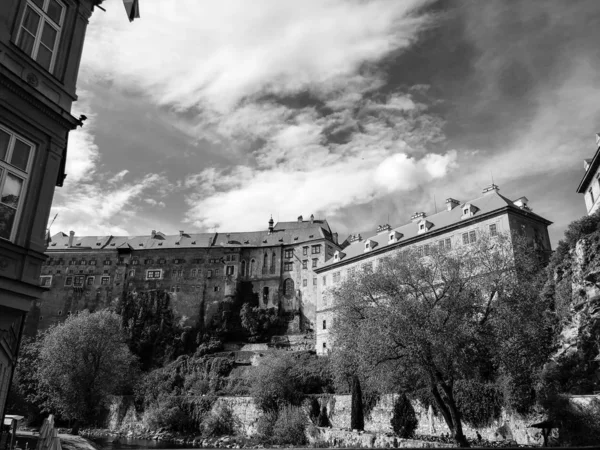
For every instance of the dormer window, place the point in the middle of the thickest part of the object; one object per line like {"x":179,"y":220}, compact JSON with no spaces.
{"x":370,"y":244}
{"x":468,"y":210}
{"x":338,"y":255}
{"x":395,"y":236}
{"x":424,"y":226}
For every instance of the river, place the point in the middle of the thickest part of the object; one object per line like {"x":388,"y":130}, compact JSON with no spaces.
{"x":114,"y":443}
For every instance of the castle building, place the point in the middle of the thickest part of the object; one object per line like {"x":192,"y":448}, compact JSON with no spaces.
{"x":461,"y":223}
{"x":41,"y":42}
{"x":589,"y":185}
{"x":201,"y":271}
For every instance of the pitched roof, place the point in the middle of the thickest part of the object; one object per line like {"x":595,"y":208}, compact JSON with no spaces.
{"x":487,"y":203}
{"x":591,"y":168}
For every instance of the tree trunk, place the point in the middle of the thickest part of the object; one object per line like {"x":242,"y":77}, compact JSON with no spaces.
{"x":357,"y":418}
{"x":458,"y":434}
{"x":75,"y":429}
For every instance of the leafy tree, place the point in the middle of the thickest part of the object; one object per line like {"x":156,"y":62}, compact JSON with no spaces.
{"x":81,"y":362}
{"x":427,"y":322}
{"x":404,"y":419}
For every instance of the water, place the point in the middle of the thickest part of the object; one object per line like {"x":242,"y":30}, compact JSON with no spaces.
{"x":112,"y":443}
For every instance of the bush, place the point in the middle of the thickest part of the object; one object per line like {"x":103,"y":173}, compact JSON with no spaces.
{"x":265,"y":425}
{"x":290,"y":426}
{"x":220,"y":422}
{"x":404,"y":420}
{"x":579,"y":425}
{"x":479,"y":403}
{"x":357,"y":418}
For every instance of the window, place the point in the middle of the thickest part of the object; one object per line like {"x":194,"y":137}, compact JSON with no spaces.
{"x":420,"y":250}
{"x":162,"y":261}
{"x":78,"y":281}
{"x":229,"y":270}
{"x":148,"y":261}
{"x":273,"y":262}
{"x":108,"y":262}
{"x":69,"y":281}
{"x":448,"y":244}
{"x":209,"y":274}
{"x":324,"y":324}
{"x":289,"y":253}
{"x":83,"y":262}
{"x":216,"y":289}
{"x":104,"y":281}
{"x":288,"y":287}
{"x":472,"y":236}
{"x":90,"y":281}
{"x":325,"y":280}
{"x":92,"y":262}
{"x":493,"y":230}
{"x":40,"y":30}
{"x":305,"y":264}
{"x":305,"y":282}
{"x":194,"y":273}
{"x":135,"y":262}
{"x":368,"y":266}
{"x":265,"y":267}
{"x":46,"y":281}
{"x":132,"y":273}
{"x":314,"y":262}
{"x":426,"y":250}
{"x":590,"y":190}
{"x":337,"y":276}
{"x":314,"y":281}
{"x":304,"y":251}
{"x":244,"y":268}
{"x":72,"y":262}
{"x":465,"y":238}
{"x":60,"y":312}
{"x":216,"y":272}
{"x":265,"y":295}
{"x":288,"y":266}
{"x":316,"y":249}
{"x":422,"y":226}
{"x":252,"y":267}
{"x":324,"y":346}
{"x":153,"y":274}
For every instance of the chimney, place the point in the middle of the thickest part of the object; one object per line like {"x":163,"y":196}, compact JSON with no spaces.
{"x":299,"y":219}
{"x":491,"y":187}
{"x":383,"y":228}
{"x":153,"y":234}
{"x":354,"y":238}
{"x":417,"y":216}
{"x":271,"y":223}
{"x":71,"y":236}
{"x":312,"y":218}
{"x":451,"y":204}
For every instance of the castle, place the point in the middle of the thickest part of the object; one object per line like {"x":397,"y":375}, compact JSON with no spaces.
{"x":290,"y":265}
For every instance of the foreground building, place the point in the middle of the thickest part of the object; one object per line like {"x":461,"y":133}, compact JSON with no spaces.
{"x":202,"y":272}
{"x":41,"y":42}
{"x":589,"y":185}
{"x":461,"y":223}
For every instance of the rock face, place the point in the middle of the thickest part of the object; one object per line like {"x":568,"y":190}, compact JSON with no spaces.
{"x":577,"y":291}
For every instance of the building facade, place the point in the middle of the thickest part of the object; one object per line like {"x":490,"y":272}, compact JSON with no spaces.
{"x":590,"y":183}
{"x":200,"y":271}
{"x":461,"y":223}
{"x":41,"y":42}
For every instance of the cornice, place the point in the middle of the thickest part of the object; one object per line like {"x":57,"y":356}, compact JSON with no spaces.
{"x":71,"y":123}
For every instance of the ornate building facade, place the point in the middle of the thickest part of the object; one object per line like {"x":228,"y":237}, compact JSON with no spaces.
{"x":200,"y":271}
{"x":461,"y":223}
{"x":41,"y":42}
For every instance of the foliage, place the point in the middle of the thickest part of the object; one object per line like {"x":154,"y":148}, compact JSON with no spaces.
{"x":290,"y":426}
{"x":357,"y":418}
{"x":265,"y":425}
{"x":220,"y":422}
{"x":404,"y":420}
{"x":323,"y":419}
{"x":83,"y":361}
{"x":581,"y":228}
{"x":425,"y":323}
{"x":579,"y":424}
{"x":284,"y":379}
{"x":259,"y":323}
{"x":479,"y":403}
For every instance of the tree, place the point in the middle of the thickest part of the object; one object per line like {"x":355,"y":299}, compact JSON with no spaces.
{"x":81,"y":362}
{"x":427,"y":322}
{"x":404,"y":420}
{"x":357,"y":416}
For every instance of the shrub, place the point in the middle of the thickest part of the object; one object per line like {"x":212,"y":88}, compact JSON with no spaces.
{"x":264,"y":426}
{"x":404,"y":420}
{"x":315,"y":410}
{"x":220,"y":422}
{"x":290,"y":426}
{"x":579,"y":425}
{"x":357,"y":419}
{"x":479,"y":403}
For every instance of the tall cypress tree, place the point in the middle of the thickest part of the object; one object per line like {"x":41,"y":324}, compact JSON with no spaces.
{"x":357,"y":418}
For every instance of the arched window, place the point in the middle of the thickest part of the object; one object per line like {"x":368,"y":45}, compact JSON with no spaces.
{"x":273,"y":263}
{"x":243,"y":268}
{"x":265,"y":266}
{"x":252,"y":267}
{"x":288,"y":288}
{"x":265,"y":295}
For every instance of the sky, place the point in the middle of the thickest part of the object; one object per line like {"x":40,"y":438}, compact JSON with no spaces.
{"x":214,"y":115}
